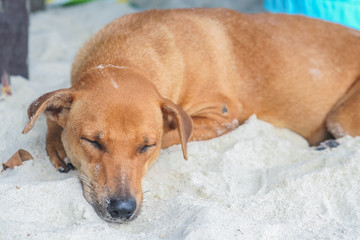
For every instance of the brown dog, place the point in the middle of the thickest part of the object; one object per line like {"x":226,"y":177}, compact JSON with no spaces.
{"x":162,"y":77}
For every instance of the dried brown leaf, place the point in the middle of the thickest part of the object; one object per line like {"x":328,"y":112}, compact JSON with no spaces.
{"x":17,"y":159}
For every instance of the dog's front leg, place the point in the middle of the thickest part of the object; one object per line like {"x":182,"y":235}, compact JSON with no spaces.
{"x":55,"y":148}
{"x":203,"y":129}
{"x":207,"y":128}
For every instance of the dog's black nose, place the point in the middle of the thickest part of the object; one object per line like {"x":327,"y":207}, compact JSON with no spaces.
{"x":122,"y":209}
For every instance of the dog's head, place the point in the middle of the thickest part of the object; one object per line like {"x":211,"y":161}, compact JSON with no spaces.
{"x":113,"y":122}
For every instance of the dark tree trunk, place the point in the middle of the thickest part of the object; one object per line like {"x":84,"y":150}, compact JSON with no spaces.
{"x":14,"y":24}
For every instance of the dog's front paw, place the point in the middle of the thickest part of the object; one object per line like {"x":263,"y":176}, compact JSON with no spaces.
{"x":328,"y":144}
{"x":68,"y":166}
{"x":58,"y":157}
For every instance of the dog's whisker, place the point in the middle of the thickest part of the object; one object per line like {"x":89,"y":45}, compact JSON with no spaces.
{"x":91,"y":188}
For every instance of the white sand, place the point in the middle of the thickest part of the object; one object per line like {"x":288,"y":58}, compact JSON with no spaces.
{"x":258,"y":182}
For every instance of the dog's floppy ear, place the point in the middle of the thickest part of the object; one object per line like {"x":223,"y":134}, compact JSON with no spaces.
{"x":180,"y":120}
{"x":54,"y":104}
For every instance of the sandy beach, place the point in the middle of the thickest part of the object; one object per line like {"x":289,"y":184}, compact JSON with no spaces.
{"x":257,"y":182}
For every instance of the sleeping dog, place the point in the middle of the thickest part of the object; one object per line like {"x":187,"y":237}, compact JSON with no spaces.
{"x":150,"y":80}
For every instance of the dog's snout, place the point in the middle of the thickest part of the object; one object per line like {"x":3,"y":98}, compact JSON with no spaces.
{"x":122,"y":209}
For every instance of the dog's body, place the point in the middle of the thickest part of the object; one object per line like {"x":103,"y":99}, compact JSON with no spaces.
{"x":164,"y":77}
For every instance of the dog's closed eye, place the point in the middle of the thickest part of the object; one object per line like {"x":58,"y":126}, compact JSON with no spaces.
{"x":95,"y":144}
{"x":146,"y":147}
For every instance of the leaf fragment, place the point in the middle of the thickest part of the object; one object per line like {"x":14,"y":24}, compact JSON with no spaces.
{"x":17,"y":159}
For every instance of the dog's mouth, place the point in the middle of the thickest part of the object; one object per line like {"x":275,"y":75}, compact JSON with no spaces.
{"x":110,"y":208}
